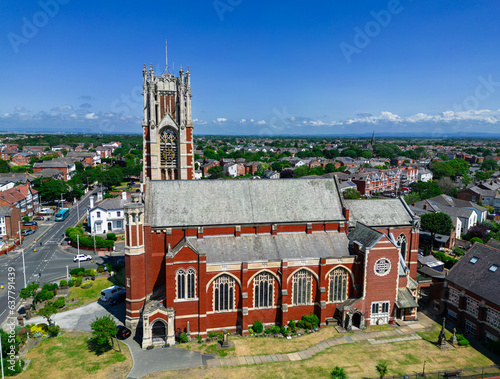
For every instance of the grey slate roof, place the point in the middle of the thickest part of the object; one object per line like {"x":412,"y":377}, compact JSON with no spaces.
{"x":5,"y":211}
{"x":494,"y":243}
{"x":380,"y":212}
{"x":476,"y":277}
{"x":364,"y":235}
{"x":238,"y":202}
{"x":405,"y":299}
{"x":268,"y":247}
{"x":116,"y":203}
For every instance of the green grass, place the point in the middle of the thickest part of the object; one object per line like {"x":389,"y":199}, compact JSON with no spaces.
{"x":89,"y":295}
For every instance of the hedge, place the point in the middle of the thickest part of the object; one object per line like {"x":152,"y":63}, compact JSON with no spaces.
{"x":86,"y":240}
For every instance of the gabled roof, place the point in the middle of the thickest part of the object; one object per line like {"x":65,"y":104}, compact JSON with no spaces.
{"x":365,"y":236}
{"x":239,"y":202}
{"x":380,"y":212}
{"x":116,"y":203}
{"x":477,"y":277}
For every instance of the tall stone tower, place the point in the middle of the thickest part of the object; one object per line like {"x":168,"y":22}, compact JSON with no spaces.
{"x":167,"y":126}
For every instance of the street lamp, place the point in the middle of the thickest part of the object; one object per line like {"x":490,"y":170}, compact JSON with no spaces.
{"x":22,"y":252}
{"x":78,"y":247}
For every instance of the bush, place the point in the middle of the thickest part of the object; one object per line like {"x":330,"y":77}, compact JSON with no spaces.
{"x":273,"y":330}
{"x":44,"y":295}
{"x":54,"y":330}
{"x":200,"y":339}
{"x":447,"y":260}
{"x":292,"y":326}
{"x":80,"y":274}
{"x":476,"y":239}
{"x":257,"y":327}
{"x":17,"y":367}
{"x":458,"y":251}
{"x":100,"y":269}
{"x":60,"y":302}
{"x":183,"y":338}
{"x":111,"y":236}
{"x":50,"y":287}
{"x":87,"y":285}
{"x":71,"y":283}
{"x":89,"y":272}
{"x":63,"y":283}
{"x":76,"y":271}
{"x":461,"y":340}
{"x":310,"y":321}
{"x":78,"y":281}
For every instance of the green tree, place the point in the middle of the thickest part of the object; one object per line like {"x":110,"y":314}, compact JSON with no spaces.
{"x":441,"y":169}
{"x":4,"y":166}
{"x":382,"y":368}
{"x":460,"y":167}
{"x":435,"y":223}
{"x":352,"y":193}
{"x":50,"y":189}
{"x":301,"y":171}
{"x":329,"y":167}
{"x":481,"y":175}
{"x":29,"y":291}
{"x":103,"y":330}
{"x":216,"y":172}
{"x":426,"y":190}
{"x":412,"y":198}
{"x":489,"y":165}
{"x":338,"y":373}
{"x":6,"y":344}
{"x":48,"y":312}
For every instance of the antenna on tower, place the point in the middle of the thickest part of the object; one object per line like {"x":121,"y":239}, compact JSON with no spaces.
{"x":166,"y":57}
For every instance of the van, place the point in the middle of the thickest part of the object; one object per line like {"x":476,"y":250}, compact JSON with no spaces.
{"x":110,"y":292}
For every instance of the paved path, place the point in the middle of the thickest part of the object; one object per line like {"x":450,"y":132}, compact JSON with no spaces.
{"x":321,"y":346}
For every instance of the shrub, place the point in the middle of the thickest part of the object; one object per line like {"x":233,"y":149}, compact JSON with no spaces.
{"x":284,"y":331}
{"x":75,"y":271}
{"x":273,"y":330}
{"x":53,"y":330}
{"x":292,"y":326}
{"x":80,"y":274}
{"x":60,"y":302}
{"x":71,"y":283}
{"x":44,"y":295}
{"x":23,"y":333}
{"x":257,"y":327}
{"x":87,"y":285}
{"x":78,"y":281}
{"x":183,"y":338}
{"x":200,"y":339}
{"x":63,"y":283}
{"x":213,"y":335}
{"x":310,"y":321}
{"x":111,"y":236}
{"x":50,"y":287}
{"x":90,"y":272}
{"x":458,"y":251}
{"x":461,"y":340}
{"x":476,"y":239}
{"x":100,"y":269}
{"x":250,"y":331}
{"x":338,"y":373}
{"x":11,"y":370}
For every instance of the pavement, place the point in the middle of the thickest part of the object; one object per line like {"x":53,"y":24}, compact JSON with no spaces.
{"x":172,"y":358}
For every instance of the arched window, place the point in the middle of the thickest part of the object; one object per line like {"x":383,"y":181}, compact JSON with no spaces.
{"x":168,"y":149}
{"x":224,"y":293}
{"x":263,"y":290}
{"x":302,"y":283}
{"x":402,"y":245}
{"x":339,"y":283}
{"x":186,"y":284}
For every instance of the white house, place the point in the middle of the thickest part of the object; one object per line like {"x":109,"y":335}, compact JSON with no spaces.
{"x":424,"y":175}
{"x":107,"y":216}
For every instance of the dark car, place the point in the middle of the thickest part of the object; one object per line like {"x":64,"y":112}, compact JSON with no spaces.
{"x":30,"y":223}
{"x":117,"y":299}
{"x":38,"y":218}
{"x":27,"y":232}
{"x":123,"y":332}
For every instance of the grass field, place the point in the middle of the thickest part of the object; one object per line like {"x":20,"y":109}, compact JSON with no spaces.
{"x":86,"y":296}
{"x":358,"y":359}
{"x":67,"y":356}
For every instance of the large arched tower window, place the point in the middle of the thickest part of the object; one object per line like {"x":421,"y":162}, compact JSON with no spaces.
{"x":402,"y":245}
{"x":339,"y":282}
{"x":169,"y":154}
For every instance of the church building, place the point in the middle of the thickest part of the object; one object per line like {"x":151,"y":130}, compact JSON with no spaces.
{"x":207,"y":255}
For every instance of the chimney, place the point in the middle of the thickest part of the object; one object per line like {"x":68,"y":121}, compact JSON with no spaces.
{"x":124,"y":195}
{"x":91,"y":202}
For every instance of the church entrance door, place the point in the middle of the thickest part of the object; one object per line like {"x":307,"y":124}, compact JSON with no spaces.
{"x":159,"y":331}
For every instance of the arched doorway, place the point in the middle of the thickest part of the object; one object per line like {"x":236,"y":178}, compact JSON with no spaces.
{"x":159,"y":331}
{"x":356,"y":320}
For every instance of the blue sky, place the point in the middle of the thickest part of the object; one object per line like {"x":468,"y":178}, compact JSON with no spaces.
{"x":264,"y":68}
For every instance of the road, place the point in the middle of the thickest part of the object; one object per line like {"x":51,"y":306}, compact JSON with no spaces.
{"x":44,"y":263}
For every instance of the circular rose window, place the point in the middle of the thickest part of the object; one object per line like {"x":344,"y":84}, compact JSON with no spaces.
{"x":382,"y":267}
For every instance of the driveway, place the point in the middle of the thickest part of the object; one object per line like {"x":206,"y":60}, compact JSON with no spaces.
{"x":145,"y":361}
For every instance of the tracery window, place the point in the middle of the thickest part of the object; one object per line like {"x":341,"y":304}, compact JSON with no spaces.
{"x":472,"y":306}
{"x":263,"y":290}
{"x":402,"y":245}
{"x":453,"y":297}
{"x":302,"y":283}
{"x":339,"y":281}
{"x":493,"y":318}
{"x":168,"y":148}
{"x":223,"y":293}
{"x":186,"y":284}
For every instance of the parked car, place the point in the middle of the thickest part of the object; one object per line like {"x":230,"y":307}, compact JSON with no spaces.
{"x":38,"y":218}
{"x":30,"y":223}
{"x":110,"y":292}
{"x":27,"y":232}
{"x":82,"y":257}
{"x":119,"y":298}
{"x":123,"y":332}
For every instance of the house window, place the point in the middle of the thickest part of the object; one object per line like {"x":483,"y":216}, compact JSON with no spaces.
{"x":380,"y":307}
{"x":118,"y":214}
{"x":186,"y":284}
{"x":338,"y":285}
{"x":263,"y":290}
{"x":224,"y":293}
{"x":452,"y":316}
{"x":98,"y":214}
{"x":119,"y":224}
{"x":453,"y":297}
{"x":302,"y":283}
{"x":470,"y":327}
{"x":472,"y":307}
{"x":493,"y":318}
{"x":490,"y":337}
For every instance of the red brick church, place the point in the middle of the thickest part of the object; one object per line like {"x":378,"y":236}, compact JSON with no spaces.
{"x":207,"y":255}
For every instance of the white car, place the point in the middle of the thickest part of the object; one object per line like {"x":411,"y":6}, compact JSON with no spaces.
{"x":82,"y":257}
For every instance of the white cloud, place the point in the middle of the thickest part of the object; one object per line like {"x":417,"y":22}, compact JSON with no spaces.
{"x":221,"y":119}
{"x":91,"y":116}
{"x":261,"y":122}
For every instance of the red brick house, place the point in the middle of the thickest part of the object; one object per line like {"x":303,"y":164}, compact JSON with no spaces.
{"x":370,"y":182}
{"x":22,"y":197}
{"x":21,"y":159}
{"x":9,"y":219}
{"x":473,"y":293}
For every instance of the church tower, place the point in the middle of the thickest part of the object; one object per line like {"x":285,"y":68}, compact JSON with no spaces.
{"x":167,"y":126}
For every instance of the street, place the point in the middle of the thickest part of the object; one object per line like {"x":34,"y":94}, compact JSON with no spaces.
{"x":44,"y":263}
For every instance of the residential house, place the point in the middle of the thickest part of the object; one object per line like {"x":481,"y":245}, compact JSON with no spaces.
{"x":424,"y":175}
{"x":234,"y":169}
{"x":458,"y":203}
{"x":21,"y":159}
{"x":49,"y":173}
{"x":205,"y":167}
{"x":65,"y":165}
{"x":107,"y":216}
{"x":10,"y":218}
{"x":104,"y":152}
{"x":23,"y":197}
{"x":270,"y":174}
{"x":467,"y":216}
{"x":7,"y":155}
{"x":485,"y":196}
{"x":472,"y":295}
{"x":251,"y":167}
{"x":87,"y":159}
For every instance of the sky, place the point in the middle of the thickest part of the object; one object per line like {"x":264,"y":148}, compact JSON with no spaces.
{"x":267,"y":68}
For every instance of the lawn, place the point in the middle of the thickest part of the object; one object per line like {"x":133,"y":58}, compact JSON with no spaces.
{"x":67,"y":356}
{"x":89,"y":295}
{"x":358,"y":359}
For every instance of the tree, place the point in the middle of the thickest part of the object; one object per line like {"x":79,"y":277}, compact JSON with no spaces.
{"x":447,"y":186}
{"x":329,"y":167}
{"x":216,"y":172}
{"x":301,"y":171}
{"x":48,"y":311}
{"x":382,"y":368}
{"x":29,"y":291}
{"x":103,"y":330}
{"x":435,"y":223}
{"x":412,"y":198}
{"x":426,"y":190}
{"x":338,"y":373}
{"x":4,"y":166}
{"x":352,"y":193}
{"x":50,"y":189}
{"x":489,"y":165}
